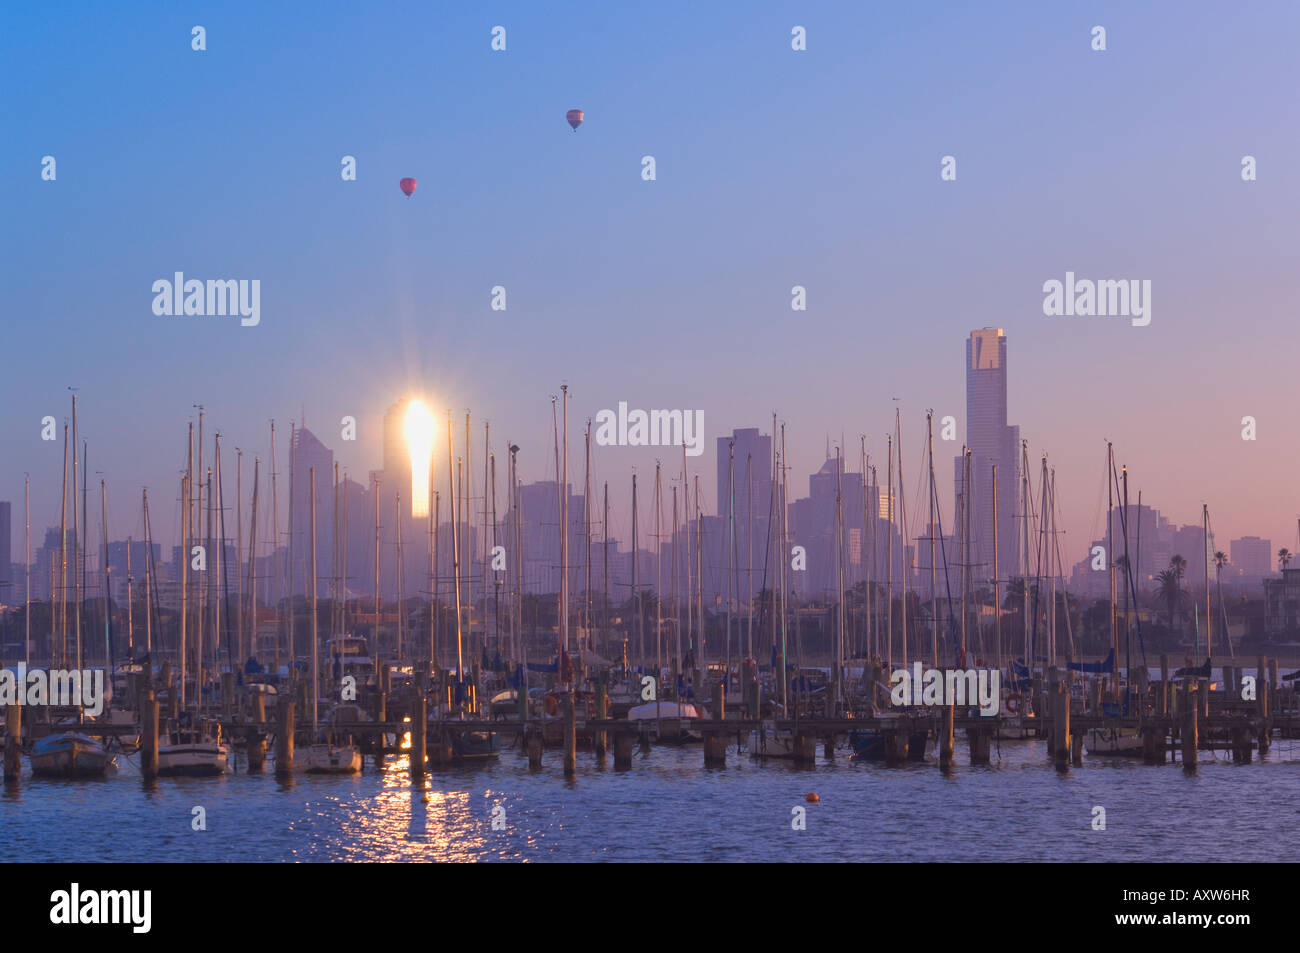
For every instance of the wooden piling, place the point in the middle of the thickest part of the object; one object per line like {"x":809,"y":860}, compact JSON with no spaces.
{"x":1060,"y":705}
{"x":533,"y":746}
{"x":255,"y":745}
{"x":13,"y":743}
{"x":148,"y":734}
{"x":715,"y":743}
{"x":570,"y":735}
{"x":979,"y":745}
{"x":1164,"y":684}
{"x":1190,"y":710}
{"x":947,"y":742}
{"x":284,"y":736}
{"x":896,"y":742}
{"x":420,"y":726}
{"x":623,"y":742}
{"x":601,"y":738}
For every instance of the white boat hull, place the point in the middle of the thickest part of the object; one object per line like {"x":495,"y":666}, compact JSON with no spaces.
{"x":327,"y":759}
{"x":199,"y":759}
{"x":1123,"y":742}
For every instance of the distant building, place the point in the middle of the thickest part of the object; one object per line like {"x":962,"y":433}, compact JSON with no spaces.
{"x":7,"y":593}
{"x":992,"y":442}
{"x":1251,"y":555}
{"x":1282,"y":603}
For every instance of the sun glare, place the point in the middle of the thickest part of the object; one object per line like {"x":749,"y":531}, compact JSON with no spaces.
{"x":419,"y":441}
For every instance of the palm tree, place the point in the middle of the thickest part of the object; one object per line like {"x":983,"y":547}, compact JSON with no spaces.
{"x":1179,"y":565}
{"x":1283,"y":556}
{"x":1170,"y":590}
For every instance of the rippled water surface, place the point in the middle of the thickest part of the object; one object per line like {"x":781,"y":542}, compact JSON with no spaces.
{"x":668,"y":807}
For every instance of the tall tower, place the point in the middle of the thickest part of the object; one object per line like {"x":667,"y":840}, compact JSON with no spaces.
{"x":991,"y":442}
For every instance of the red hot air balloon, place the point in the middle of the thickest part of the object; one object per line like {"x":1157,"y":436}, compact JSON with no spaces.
{"x":407,"y":186}
{"x":575,"y":118}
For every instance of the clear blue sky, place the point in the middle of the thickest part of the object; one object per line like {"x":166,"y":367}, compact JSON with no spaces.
{"x":775,"y":168}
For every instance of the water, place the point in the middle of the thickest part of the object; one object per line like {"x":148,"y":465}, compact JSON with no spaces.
{"x":668,"y":807}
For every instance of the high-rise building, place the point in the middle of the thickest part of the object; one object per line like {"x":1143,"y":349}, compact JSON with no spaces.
{"x":752,"y":502}
{"x":992,"y":442}
{"x":307,"y":454}
{"x":1252,"y":555}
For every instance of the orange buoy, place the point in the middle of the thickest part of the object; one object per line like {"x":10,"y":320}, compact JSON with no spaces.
{"x":812,"y":798}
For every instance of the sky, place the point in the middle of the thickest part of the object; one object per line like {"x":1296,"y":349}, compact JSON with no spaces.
{"x":775,"y":168}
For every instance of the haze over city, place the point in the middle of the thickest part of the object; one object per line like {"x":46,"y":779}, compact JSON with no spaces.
{"x":667,"y":293}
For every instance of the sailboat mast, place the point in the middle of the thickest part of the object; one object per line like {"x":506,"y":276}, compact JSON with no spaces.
{"x":889,"y":546}
{"x":659,"y":548}
{"x":467,"y":540}
{"x":291,"y":607}
{"x":185,"y":578}
{"x":1209,"y":619}
{"x":275,"y":594}
{"x":315,"y":638}
{"x":130,"y":613}
{"x":934,"y":592}
{"x":839,"y":573}
{"x":1024,"y":555}
{"x":377,"y":649}
{"x":402,"y":651}
{"x":108,"y":621}
{"x":148,"y":580}
{"x":902,"y":522}
{"x":77,"y":545}
{"x":251,"y":645}
{"x":782,"y":555}
{"x":586,"y":535}
{"x":997,"y":599}
{"x":564,"y":529}
{"x":604,"y":578}
{"x":1128,"y":574}
{"x":699,"y":572}
{"x":729,"y":543}
{"x":455,"y":555}
{"x":239,"y":551}
{"x":636,"y":590}
{"x":965,"y":542}
{"x":1050,"y":481}
{"x":63,"y":558}
{"x":673,"y":572}
{"x":749,"y":542}
{"x":496,"y":588}
{"x":1110,"y":565}
{"x":27,"y":569}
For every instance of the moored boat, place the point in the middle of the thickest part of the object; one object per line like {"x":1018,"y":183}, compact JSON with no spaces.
{"x":70,"y":754}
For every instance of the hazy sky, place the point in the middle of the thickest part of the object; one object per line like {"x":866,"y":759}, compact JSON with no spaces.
{"x":775,"y":168}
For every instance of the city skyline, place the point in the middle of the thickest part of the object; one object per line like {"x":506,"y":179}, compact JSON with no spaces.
{"x":404,"y":298}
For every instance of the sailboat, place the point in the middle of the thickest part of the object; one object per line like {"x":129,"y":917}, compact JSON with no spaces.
{"x":191,"y":750}
{"x":1116,"y":740}
{"x":322,"y":756}
{"x":70,"y":753}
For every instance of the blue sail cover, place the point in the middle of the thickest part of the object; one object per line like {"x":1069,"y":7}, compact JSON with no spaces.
{"x":1094,"y":668}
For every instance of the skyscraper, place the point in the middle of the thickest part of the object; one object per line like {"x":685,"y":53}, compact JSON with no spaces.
{"x":752,"y":481}
{"x":991,"y":442}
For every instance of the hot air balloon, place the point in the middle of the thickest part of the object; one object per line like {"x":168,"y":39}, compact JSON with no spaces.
{"x":575,"y":118}
{"x":407,"y":186}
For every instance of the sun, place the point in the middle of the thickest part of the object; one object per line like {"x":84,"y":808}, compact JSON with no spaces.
{"x":419,"y":442}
